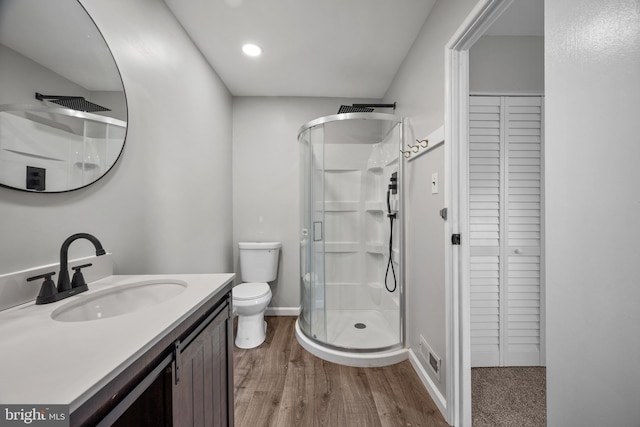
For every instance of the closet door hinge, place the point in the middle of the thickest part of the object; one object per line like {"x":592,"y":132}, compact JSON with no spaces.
{"x":455,"y":239}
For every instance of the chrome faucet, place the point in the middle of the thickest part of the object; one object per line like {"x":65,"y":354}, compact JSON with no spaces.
{"x":49,"y":292}
{"x":64,"y":284}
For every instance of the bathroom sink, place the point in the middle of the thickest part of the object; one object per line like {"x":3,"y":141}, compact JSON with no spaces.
{"x":119,"y":300}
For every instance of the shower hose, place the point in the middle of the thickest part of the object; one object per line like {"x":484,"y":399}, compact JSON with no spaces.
{"x":390,"y":262}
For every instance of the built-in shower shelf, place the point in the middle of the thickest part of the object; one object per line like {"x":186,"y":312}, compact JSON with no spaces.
{"x":396,"y":298}
{"x":375,"y":285}
{"x":33,"y":155}
{"x":376,"y":247}
{"x":392,"y":162}
{"x":329,"y":206}
{"x":346,"y":284}
{"x":390,"y":299}
{"x":374,"y":206}
{"x":395,"y":255}
{"x":337,"y":247}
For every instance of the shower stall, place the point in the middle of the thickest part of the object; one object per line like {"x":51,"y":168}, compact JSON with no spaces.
{"x":351,"y":257}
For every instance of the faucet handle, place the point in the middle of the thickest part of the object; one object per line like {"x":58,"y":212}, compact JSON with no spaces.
{"x":78,"y":278}
{"x":48,"y":291}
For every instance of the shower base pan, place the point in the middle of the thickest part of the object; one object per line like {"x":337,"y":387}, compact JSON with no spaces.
{"x":358,"y":358}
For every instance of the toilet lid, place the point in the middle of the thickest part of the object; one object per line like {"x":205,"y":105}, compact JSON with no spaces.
{"x":246,"y":291}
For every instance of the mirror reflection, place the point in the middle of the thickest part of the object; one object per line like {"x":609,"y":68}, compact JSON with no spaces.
{"x":63,"y":110}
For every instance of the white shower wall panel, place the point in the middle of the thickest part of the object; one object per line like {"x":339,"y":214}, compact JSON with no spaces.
{"x":344,"y":164}
{"x":375,"y":223}
{"x":348,"y":296}
{"x":346,"y":157}
{"x":342,"y":267}
{"x":342,"y":226}
{"x":341,"y":185}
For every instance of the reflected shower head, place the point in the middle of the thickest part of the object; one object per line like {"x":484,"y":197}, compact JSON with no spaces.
{"x":77,"y":103}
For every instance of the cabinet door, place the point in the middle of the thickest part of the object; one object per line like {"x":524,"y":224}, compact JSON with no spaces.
{"x":202,"y":377}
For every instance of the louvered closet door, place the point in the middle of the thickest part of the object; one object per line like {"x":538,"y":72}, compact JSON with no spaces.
{"x":505,"y":182}
{"x":485,"y":136}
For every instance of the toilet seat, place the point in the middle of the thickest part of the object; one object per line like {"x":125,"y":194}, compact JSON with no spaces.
{"x":250,"y":291}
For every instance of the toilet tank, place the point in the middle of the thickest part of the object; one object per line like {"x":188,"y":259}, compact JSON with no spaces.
{"x":259,"y":261}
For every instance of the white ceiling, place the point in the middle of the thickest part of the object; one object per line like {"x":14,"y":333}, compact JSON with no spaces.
{"x":335,"y":48}
{"x":341,"y":48}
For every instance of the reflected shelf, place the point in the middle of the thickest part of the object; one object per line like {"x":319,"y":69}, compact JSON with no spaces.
{"x":23,"y":110}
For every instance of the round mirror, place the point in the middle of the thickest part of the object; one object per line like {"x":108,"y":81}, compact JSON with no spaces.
{"x":63,"y":109}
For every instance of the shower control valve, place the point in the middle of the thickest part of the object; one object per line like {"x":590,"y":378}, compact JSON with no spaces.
{"x":393,"y":183}
{"x":392,"y":196}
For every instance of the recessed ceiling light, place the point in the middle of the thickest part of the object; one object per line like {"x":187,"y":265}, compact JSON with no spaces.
{"x":251,"y":49}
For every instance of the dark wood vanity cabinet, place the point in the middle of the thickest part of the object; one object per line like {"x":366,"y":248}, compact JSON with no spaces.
{"x":185,"y":380}
{"x":200,"y":391}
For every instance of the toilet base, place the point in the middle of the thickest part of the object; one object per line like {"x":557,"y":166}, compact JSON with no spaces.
{"x":252,"y":331}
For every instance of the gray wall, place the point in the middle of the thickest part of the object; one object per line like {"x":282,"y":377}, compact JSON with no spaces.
{"x":266,"y":180}
{"x":593,"y":206}
{"x":419,"y":88}
{"x":507,"y":64}
{"x":166,"y":205}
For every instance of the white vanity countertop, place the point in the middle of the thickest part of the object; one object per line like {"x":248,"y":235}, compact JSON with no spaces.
{"x":44,"y":361}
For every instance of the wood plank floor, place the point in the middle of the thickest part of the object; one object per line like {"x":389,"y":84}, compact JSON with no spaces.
{"x":281,"y":384}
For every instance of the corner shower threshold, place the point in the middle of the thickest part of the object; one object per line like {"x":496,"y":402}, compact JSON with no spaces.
{"x":359,"y":359}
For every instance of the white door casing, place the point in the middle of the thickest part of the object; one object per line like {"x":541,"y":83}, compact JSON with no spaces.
{"x":456,"y":125}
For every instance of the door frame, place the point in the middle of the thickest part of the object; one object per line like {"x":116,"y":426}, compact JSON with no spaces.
{"x":456,"y":115}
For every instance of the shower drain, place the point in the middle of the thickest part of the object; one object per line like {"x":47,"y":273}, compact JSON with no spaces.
{"x":360,"y":326}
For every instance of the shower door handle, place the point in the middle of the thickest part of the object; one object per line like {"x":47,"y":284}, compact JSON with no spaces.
{"x":317,"y":231}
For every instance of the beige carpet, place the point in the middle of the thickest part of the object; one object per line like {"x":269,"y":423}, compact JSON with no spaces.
{"x":509,"y":397}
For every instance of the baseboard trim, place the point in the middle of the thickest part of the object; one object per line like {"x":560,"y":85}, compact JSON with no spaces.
{"x":437,"y":397}
{"x":282,"y":311}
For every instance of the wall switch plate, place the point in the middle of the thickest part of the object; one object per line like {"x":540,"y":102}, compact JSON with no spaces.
{"x":434,"y":183}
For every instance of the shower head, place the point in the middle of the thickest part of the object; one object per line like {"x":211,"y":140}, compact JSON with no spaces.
{"x":363,"y":108}
{"x":77,"y":103}
{"x":354,"y":109}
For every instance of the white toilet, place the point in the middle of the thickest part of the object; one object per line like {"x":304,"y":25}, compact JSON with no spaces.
{"x":258,"y":265}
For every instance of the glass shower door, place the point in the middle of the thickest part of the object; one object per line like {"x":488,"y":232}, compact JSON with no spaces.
{"x":312,"y":267}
